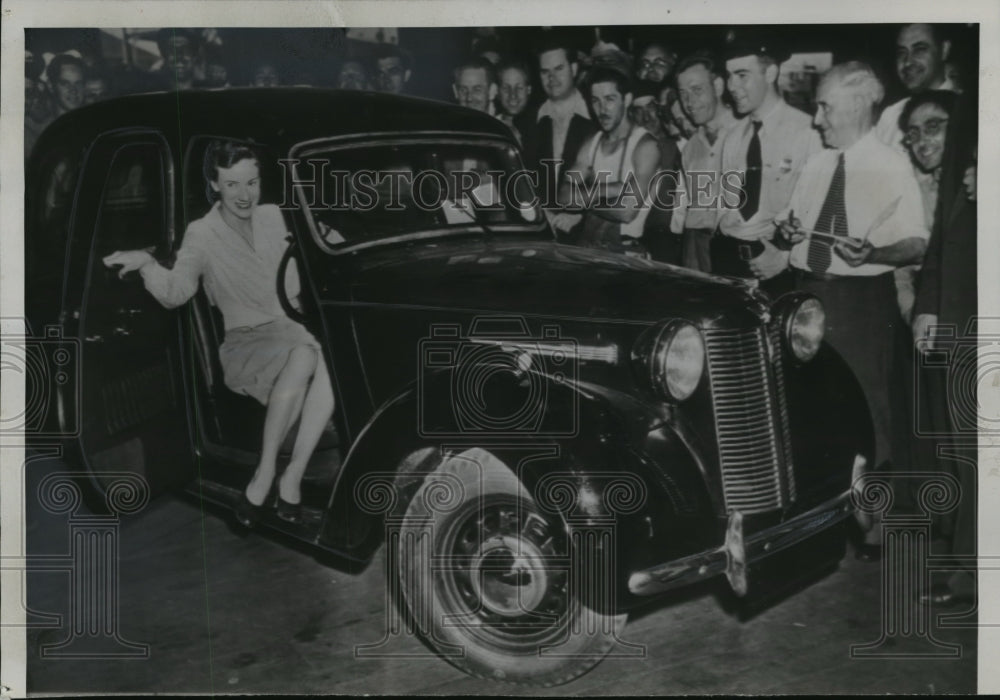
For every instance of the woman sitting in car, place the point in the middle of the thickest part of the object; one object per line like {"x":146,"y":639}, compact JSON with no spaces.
{"x":235,"y":250}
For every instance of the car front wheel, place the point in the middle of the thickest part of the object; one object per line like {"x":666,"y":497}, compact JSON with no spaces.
{"x":491,"y":583}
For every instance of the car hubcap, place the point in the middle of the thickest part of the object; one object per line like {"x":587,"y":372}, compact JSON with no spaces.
{"x":508,"y":574}
{"x":504,"y":581}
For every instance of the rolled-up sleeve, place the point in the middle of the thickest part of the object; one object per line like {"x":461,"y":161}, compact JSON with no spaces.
{"x":173,"y":287}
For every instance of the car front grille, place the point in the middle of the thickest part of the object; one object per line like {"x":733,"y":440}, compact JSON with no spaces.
{"x":751,"y":420}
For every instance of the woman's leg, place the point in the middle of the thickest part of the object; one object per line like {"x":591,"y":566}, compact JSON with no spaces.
{"x":316,"y":412}
{"x":285,"y":400}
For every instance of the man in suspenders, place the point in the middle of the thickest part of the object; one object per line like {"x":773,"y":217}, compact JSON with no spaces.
{"x":607,"y":192}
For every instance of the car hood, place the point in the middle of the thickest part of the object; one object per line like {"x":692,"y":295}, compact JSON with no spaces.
{"x":547,"y":279}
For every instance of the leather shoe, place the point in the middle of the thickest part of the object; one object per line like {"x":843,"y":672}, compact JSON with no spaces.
{"x":941,"y":596}
{"x":868,"y":552}
{"x":289,"y":512}
{"x":247,"y":514}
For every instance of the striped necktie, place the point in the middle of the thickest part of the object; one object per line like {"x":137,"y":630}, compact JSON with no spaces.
{"x":753,"y":174}
{"x":832,"y":219}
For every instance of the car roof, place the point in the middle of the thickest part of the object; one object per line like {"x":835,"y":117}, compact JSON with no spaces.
{"x":278,"y":117}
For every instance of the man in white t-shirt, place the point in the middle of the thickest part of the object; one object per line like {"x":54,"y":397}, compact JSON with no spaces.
{"x":609,"y":183}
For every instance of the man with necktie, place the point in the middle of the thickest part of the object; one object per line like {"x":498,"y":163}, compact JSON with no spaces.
{"x":855,"y":216}
{"x":768,"y":147}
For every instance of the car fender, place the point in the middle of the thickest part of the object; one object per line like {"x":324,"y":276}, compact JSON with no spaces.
{"x":610,"y":459}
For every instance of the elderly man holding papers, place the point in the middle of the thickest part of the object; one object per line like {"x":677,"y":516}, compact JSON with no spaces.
{"x":855,"y":215}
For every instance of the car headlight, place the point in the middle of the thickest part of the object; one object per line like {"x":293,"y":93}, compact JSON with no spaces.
{"x":805,"y":324}
{"x":672,"y":357}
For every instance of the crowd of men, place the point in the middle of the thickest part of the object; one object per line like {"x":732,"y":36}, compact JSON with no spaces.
{"x":842,"y":203}
{"x":868,"y":205}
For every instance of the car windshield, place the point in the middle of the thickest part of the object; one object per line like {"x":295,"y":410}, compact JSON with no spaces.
{"x":373,"y":193}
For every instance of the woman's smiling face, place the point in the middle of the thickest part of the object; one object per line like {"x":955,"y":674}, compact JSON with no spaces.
{"x":925,"y":135}
{"x":239,"y":188}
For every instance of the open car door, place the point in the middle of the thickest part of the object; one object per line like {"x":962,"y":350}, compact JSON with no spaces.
{"x":133,"y":413}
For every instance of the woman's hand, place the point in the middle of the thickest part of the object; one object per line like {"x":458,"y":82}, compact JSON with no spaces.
{"x":130,"y":260}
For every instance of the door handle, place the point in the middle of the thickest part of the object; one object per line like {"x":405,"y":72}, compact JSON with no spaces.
{"x":94,"y":339}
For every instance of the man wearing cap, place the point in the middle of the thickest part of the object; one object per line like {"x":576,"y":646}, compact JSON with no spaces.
{"x":768,"y":147}
{"x":609,"y":183}
{"x":855,"y":216}
{"x":700,"y":84}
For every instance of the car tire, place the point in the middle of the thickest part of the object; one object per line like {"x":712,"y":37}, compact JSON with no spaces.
{"x":496,"y":602}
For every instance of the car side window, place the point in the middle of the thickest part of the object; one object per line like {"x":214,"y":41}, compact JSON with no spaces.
{"x":52,"y":195}
{"x":134,"y":201}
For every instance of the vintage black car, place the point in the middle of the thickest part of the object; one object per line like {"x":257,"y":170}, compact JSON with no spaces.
{"x":543,"y":436}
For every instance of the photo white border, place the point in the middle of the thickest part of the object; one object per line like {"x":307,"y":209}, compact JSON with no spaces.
{"x":19,"y":14}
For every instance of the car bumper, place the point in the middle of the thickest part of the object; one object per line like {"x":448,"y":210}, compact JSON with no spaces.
{"x":733,"y":557}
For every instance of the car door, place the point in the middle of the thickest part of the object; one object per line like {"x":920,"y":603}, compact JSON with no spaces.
{"x":133,"y":414}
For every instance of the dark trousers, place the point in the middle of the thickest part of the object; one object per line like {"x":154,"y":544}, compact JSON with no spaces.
{"x":697,"y":244}
{"x":861,"y":320}
{"x":732,"y":256}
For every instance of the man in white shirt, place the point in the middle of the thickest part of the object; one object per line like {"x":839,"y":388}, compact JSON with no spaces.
{"x":768,"y":147}
{"x":921,"y":53}
{"x":854,"y":216}
{"x":700,"y":84}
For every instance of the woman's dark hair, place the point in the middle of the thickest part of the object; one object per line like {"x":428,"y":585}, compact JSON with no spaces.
{"x":945,"y":99}
{"x":223,"y":154}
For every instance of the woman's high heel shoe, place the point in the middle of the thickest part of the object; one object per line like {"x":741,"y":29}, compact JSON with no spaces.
{"x":289,"y":512}
{"x":247,"y":514}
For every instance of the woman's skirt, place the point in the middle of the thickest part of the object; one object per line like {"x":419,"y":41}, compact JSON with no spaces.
{"x":252,"y":358}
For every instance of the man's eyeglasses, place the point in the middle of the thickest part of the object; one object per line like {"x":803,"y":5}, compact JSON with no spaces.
{"x":931,"y":128}
{"x":646,"y":64}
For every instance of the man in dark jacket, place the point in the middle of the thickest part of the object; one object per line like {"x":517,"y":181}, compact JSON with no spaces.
{"x":947,"y":299}
{"x":563,"y":123}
